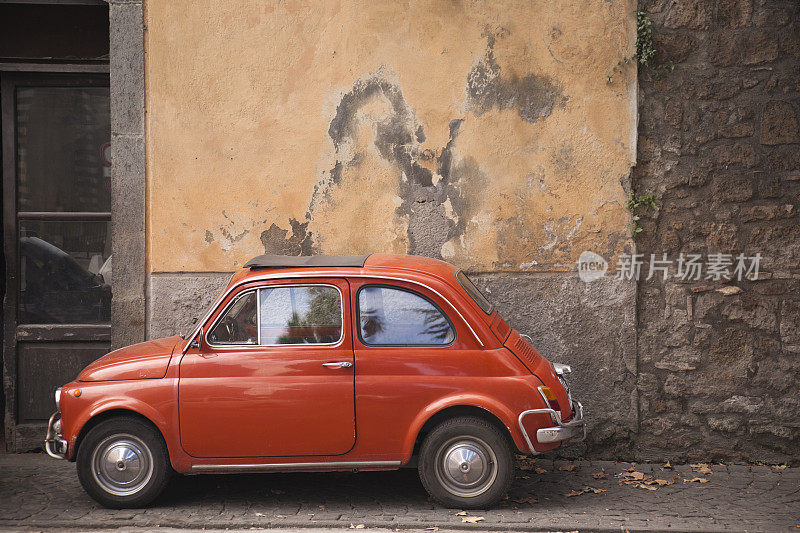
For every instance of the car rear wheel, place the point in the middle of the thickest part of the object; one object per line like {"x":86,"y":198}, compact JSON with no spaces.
{"x":123,"y":462}
{"x":466,"y":463}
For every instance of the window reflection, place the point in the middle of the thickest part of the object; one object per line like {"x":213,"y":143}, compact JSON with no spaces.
{"x":65,"y":272}
{"x":238,"y":325}
{"x":300,"y":315}
{"x":395,"y":316}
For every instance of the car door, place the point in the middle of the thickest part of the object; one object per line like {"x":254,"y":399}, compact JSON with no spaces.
{"x":274,"y":375}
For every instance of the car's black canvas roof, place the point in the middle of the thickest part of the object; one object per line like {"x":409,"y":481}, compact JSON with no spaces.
{"x":301,"y":261}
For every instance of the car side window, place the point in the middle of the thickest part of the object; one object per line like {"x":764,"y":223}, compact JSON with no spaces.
{"x":302,"y":314}
{"x":392,"y":316}
{"x":239,"y":323}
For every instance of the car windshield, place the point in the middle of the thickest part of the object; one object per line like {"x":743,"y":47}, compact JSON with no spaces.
{"x":474,"y":293}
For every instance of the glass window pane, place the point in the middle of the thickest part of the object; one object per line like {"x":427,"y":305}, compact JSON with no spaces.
{"x":63,"y":161}
{"x":238,"y":325}
{"x":305,"y":314}
{"x":65,"y":272}
{"x":395,"y":316}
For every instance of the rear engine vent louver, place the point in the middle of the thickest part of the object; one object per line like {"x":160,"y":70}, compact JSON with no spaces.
{"x":525,"y":350}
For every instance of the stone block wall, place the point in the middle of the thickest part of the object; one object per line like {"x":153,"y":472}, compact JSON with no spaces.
{"x":719,"y":146}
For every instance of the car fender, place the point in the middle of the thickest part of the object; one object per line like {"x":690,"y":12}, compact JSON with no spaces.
{"x":132,"y":405}
{"x":494,"y":407}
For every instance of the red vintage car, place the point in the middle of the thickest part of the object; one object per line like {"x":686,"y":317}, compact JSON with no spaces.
{"x":322,"y":363}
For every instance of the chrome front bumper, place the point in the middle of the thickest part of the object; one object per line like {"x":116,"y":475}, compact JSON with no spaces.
{"x":54,"y":445}
{"x":562,"y":431}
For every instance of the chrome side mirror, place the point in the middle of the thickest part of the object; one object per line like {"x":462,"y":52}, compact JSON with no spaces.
{"x":196,"y":341}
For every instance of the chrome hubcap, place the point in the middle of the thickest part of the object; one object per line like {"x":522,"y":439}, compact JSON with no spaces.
{"x":466,"y":466}
{"x":122,"y":465}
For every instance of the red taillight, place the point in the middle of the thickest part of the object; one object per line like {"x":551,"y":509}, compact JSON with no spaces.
{"x":552,"y":401}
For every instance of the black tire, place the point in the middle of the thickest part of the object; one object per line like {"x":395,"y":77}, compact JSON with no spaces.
{"x":480,"y":460}
{"x":123,"y":463}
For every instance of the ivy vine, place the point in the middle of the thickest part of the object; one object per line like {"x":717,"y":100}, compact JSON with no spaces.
{"x":645,"y":51}
{"x":635,"y":204}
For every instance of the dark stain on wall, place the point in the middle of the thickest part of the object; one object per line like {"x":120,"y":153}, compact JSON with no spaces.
{"x":431,"y":176}
{"x":533,"y":97}
{"x":278,"y":241}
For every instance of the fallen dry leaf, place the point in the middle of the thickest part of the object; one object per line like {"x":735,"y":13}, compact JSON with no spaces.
{"x":630,"y":476}
{"x":600,"y":475}
{"x":568,"y":468}
{"x":526,"y":500}
{"x":259,"y":514}
{"x":472,"y":519}
{"x":434,"y":528}
{"x":584,"y":490}
{"x":780,"y":467}
{"x":666,"y":466}
{"x":701,"y":468}
{"x":698,"y":479}
{"x":648,"y":487}
{"x":540,"y":470}
{"x":461,"y":513}
{"x":359,"y":526}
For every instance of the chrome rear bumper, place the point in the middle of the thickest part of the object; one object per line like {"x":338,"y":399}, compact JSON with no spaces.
{"x":562,"y":431}
{"x":54,"y":445}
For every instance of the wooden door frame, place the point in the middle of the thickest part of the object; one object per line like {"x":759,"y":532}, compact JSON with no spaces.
{"x":27,"y":436}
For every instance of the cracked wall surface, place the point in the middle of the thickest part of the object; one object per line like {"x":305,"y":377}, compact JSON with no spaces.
{"x":483,"y":133}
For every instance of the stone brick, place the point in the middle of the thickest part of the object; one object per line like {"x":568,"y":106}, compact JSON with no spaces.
{"x":730,"y":187}
{"x":769,"y":186}
{"x":734,"y":131}
{"x":725,"y":49}
{"x":773,"y":16}
{"x":779,"y":124}
{"x":734,"y":13}
{"x":739,"y":153}
{"x":759,"y":46}
{"x":692,"y":14}
{"x":790,"y":322}
{"x":176,"y":300}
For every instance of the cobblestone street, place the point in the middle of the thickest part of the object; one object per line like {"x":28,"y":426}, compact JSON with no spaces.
{"x":41,"y":493}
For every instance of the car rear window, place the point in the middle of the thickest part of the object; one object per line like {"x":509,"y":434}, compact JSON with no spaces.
{"x":394,"y":316}
{"x":474,"y":293}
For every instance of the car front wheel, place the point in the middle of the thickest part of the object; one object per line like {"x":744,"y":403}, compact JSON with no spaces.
{"x":123,"y":462}
{"x":466,"y":463}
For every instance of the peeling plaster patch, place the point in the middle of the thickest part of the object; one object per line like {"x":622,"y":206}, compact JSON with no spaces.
{"x":276,"y":240}
{"x":426,"y":199}
{"x":394,"y":137}
{"x":532,"y":96}
{"x":448,"y":250}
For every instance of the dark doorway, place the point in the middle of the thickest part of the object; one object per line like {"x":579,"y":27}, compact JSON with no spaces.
{"x":55,"y":117}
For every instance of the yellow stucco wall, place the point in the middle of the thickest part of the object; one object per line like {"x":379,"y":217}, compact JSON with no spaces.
{"x":481,"y":132}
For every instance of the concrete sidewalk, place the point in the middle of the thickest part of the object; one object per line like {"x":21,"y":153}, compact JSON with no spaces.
{"x":37,"y":492}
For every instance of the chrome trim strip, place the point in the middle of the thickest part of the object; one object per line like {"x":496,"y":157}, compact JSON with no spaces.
{"x":258,"y":317}
{"x":333,"y":274}
{"x":258,"y":290}
{"x":273,"y":467}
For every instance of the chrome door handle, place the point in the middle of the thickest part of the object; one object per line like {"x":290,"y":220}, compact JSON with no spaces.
{"x":340,"y":364}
